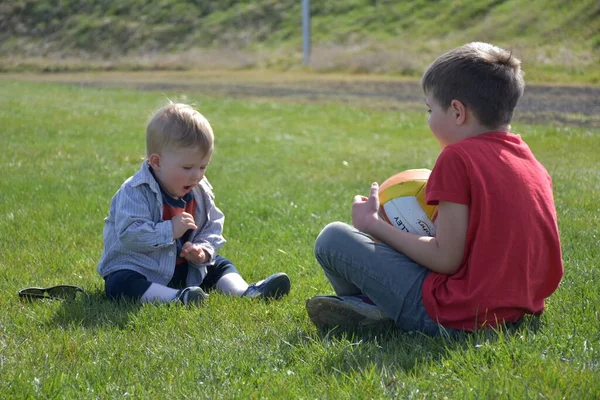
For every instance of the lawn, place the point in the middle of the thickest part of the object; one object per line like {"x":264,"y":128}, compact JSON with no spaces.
{"x":281,"y":171}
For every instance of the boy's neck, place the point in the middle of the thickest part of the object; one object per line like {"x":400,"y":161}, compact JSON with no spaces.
{"x":472,"y":130}
{"x":467,"y":124}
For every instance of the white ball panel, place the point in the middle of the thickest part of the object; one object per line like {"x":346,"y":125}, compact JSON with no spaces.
{"x":405,"y":213}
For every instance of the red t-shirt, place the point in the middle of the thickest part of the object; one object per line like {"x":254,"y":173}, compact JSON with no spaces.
{"x":512,"y":259}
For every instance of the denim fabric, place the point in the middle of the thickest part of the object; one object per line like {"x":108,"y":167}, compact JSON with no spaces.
{"x":356,"y":264}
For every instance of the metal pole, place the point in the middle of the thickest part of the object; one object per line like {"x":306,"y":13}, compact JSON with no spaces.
{"x":306,"y":31}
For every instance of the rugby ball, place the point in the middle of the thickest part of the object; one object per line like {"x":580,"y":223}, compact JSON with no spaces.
{"x":402,"y":202}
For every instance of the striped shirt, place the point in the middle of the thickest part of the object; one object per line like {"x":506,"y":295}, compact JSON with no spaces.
{"x":137,"y":238}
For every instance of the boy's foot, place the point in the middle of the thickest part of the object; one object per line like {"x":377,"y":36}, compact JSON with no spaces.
{"x":346,"y":312}
{"x":191,"y":295}
{"x":274,"y":287}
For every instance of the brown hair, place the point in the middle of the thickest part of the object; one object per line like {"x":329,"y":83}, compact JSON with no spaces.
{"x":484,"y":77}
{"x":178,"y":125}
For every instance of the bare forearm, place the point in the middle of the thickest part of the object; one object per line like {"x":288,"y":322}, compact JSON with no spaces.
{"x":442,"y":253}
{"x":424,"y":250}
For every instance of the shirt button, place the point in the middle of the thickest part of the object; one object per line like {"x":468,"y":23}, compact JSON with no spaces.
{"x":170,"y":254}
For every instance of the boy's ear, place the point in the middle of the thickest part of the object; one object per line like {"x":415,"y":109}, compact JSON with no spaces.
{"x":459,"y":110}
{"x":154,"y":161}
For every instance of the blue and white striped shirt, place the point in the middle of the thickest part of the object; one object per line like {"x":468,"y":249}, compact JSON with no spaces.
{"x":137,"y":238}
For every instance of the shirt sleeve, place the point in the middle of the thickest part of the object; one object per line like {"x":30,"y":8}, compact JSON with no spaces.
{"x":449,"y":180}
{"x":210,"y":235}
{"x":136,"y":229}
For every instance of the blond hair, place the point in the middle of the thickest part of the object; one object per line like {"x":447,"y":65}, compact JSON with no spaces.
{"x":486,"y":78}
{"x":178,"y":125}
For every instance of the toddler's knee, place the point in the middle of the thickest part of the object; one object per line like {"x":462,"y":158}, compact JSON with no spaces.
{"x":330,"y":235}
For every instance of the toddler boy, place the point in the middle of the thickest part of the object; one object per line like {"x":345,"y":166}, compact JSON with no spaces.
{"x":163,"y":229}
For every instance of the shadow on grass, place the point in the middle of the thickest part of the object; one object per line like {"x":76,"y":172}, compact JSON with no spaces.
{"x":388,"y":347}
{"x":94,"y":310}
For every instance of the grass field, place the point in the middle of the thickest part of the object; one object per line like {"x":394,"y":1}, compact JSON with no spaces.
{"x":281,"y":172}
{"x":558,"y":41}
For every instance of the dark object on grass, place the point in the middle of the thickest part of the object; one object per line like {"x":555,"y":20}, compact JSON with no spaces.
{"x":58,"y":292}
{"x":274,"y":287}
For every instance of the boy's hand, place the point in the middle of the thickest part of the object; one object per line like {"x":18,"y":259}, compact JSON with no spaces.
{"x":181,"y":224}
{"x":365,"y":210}
{"x":194,"y":253}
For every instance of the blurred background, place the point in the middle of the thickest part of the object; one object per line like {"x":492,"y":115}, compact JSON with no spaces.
{"x":558,"y":41}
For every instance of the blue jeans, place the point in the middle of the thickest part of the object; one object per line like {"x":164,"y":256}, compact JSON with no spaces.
{"x":356,"y":264}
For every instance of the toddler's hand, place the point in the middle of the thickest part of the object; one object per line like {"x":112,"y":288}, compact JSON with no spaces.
{"x":365,"y":210}
{"x":181,"y":224}
{"x":194,"y":253}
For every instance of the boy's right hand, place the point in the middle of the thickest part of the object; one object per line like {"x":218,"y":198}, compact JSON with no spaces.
{"x":365,"y":210}
{"x":182,"y":223}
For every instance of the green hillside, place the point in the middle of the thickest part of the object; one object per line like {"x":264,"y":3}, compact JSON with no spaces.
{"x":381,"y":36}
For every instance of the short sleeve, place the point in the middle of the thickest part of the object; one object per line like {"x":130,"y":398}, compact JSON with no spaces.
{"x":449,"y":180}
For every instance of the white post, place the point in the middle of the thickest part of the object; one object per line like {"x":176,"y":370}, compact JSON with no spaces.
{"x":306,"y":31}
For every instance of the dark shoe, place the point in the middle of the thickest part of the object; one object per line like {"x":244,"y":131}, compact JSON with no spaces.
{"x":346,"y":312}
{"x":274,"y":287}
{"x":191,"y":295}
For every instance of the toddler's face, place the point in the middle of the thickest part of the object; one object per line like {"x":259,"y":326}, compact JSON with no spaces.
{"x":179,"y":170}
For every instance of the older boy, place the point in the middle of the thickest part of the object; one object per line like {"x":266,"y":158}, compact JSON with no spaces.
{"x":496,"y":255}
{"x":163,"y":230}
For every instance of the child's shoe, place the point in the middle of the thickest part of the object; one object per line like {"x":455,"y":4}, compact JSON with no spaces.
{"x":274,"y":287}
{"x":191,"y":295}
{"x":346,"y":312}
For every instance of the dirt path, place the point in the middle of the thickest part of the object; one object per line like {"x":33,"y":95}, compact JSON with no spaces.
{"x":563,"y":105}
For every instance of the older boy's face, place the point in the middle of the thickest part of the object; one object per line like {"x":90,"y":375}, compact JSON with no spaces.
{"x":179,"y":170}
{"x":441,"y":122}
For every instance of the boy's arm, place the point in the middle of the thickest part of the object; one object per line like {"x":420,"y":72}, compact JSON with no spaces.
{"x":134,"y":225}
{"x":442,"y":254}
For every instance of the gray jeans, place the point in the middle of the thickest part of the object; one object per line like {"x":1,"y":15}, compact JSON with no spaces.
{"x":356,"y":264}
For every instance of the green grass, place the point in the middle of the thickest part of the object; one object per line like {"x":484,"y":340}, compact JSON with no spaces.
{"x":558,"y":41}
{"x":281,"y":172}
{"x":179,"y":24}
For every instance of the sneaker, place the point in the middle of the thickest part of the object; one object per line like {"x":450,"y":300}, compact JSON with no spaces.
{"x":346,"y":312}
{"x":274,"y":287}
{"x":191,"y":295}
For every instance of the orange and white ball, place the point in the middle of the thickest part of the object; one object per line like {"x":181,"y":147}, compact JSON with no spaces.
{"x":402,"y":202}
